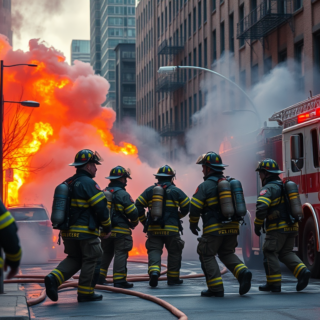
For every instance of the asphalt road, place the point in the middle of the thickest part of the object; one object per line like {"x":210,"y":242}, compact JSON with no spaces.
{"x":255,"y":305}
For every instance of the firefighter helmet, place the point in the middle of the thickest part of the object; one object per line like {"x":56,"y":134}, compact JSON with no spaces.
{"x":84,"y":156}
{"x":211,"y":160}
{"x":269,"y":165}
{"x":119,"y":172}
{"x":165,"y":171}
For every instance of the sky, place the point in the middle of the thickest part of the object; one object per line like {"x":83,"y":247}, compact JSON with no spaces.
{"x":57,"y":22}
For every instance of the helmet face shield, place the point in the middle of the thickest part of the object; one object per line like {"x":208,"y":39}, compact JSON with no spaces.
{"x":128,"y":173}
{"x":201,"y":159}
{"x":97,"y":158}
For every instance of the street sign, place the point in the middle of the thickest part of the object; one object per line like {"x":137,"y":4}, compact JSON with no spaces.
{"x":9,"y":175}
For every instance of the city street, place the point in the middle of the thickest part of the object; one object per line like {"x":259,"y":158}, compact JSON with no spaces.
{"x":255,"y":305}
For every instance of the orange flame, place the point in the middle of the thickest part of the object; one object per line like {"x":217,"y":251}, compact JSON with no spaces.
{"x":70,"y":100}
{"x":138,"y":251}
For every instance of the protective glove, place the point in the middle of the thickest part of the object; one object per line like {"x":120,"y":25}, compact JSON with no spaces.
{"x":194,"y":229}
{"x":257,"y":230}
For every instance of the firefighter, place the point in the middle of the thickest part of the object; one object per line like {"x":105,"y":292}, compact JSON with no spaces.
{"x":88,"y":210}
{"x":165,"y":229}
{"x":124,"y":216}
{"x":217,"y":238}
{"x":9,"y":242}
{"x":279,"y":241}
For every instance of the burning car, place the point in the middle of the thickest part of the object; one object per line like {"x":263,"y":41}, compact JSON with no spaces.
{"x":35,"y":231}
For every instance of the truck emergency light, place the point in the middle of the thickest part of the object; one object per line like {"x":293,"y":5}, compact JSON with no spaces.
{"x":309,"y":115}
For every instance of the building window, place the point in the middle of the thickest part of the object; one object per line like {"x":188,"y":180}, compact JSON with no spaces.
{"x":267,"y":65}
{"x":185,"y":30}
{"x":200,"y":55}
{"x":222,"y":40}
{"x":204,"y":10}
{"x":189,"y":65}
{"x":166,"y":17}
{"x":231,"y":33}
{"x":161,"y":22}
{"x":195,"y":103}
{"x":185,"y":113}
{"x":190,"y":111}
{"x":158,"y":31}
{"x":213,"y":5}
{"x":200,"y":99}
{"x":194,"y":19}
{"x":170,"y":11}
{"x":299,"y":58}
{"x":214,"y":46}
{"x":282,"y":56}
{"x":199,"y":14}
{"x":205,"y":49}
{"x":189,"y":25}
{"x":254,"y":74}
{"x":194,"y":61}
{"x":181,"y":115}
{"x":297,"y":4}
{"x":241,"y":23}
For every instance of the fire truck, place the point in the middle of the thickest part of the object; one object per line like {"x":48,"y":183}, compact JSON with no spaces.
{"x":294,"y":144}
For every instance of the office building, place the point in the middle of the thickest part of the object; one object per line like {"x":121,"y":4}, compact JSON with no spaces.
{"x":80,"y":50}
{"x":111,"y":22}
{"x":125,"y":82}
{"x":244,"y":40}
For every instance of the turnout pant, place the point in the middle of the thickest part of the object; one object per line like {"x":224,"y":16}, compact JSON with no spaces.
{"x":278,"y":246}
{"x":224,"y":246}
{"x":174,"y":244}
{"x":84,"y":255}
{"x":117,"y":247}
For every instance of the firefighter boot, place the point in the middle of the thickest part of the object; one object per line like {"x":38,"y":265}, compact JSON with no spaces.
{"x":208,"y":293}
{"x":89,"y":297}
{"x":172,"y":281}
{"x":244,"y":281}
{"x":51,"y":287}
{"x":270,"y":287}
{"x":153,"y":279}
{"x":123,"y":285}
{"x":303,"y":279}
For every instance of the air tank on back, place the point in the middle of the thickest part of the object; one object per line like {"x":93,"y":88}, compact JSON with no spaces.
{"x":108,"y":196}
{"x":294,"y":199}
{"x":60,"y":204}
{"x":225,"y":199}
{"x":238,"y":198}
{"x":157,"y":203}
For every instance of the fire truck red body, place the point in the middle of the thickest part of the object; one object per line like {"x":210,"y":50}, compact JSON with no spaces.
{"x":294,"y":144}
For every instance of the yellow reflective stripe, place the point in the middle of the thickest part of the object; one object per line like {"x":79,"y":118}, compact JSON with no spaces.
{"x":6,"y":219}
{"x":173,"y":274}
{"x":238,"y":268}
{"x":121,"y":230}
{"x":1,"y":263}
{"x":85,"y":290}
{"x":267,"y":203}
{"x":280,"y":225}
{"x":166,"y":228}
{"x":194,"y":219}
{"x":142,"y":200}
{"x":103,"y":272}
{"x":135,"y":221}
{"x":82,"y":229}
{"x":154,"y":268}
{"x":224,"y":193}
{"x":96,"y":199}
{"x":157,"y":197}
{"x":258,"y":221}
{"x":142,"y":218}
{"x":221,"y":226}
{"x":298,"y":269}
{"x":195,"y":203}
{"x":214,"y":282}
{"x":225,"y":197}
{"x":59,"y":275}
{"x":14,"y":257}
{"x":274,"y":278}
{"x":264,"y":200}
{"x":185,"y":202}
{"x":106,"y":223}
{"x":129,"y":209}
{"x":171,"y":203}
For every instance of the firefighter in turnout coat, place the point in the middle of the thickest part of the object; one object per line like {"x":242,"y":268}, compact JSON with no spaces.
{"x":271,"y":207}
{"x":165,"y":230}
{"x":217,"y":238}
{"x":9,"y":242}
{"x":81,"y":240}
{"x":124,"y":216}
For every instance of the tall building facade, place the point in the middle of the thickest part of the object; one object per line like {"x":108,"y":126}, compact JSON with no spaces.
{"x":80,"y":50}
{"x":125,"y":82}
{"x":243,"y":40}
{"x":111,"y":22}
{"x":5,"y":19}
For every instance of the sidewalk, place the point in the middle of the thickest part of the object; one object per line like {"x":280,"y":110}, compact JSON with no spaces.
{"x":13,"y":303}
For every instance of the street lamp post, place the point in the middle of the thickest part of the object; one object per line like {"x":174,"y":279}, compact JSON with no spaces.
{"x":172,"y":69}
{"x":27,"y":103}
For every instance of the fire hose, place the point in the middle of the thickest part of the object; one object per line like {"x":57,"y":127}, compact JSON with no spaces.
{"x":133,"y":278}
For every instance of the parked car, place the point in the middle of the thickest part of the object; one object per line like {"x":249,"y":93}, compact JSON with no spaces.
{"x":35,"y":231}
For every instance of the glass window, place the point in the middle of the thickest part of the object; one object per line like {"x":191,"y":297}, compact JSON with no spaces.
{"x":27,"y":214}
{"x":315,"y":147}
{"x":297,"y":164}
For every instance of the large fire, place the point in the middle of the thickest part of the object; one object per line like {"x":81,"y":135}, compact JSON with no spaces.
{"x":70,"y":100}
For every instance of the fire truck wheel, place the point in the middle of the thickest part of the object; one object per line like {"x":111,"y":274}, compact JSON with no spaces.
{"x":249,"y":258}
{"x":311,"y":257}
